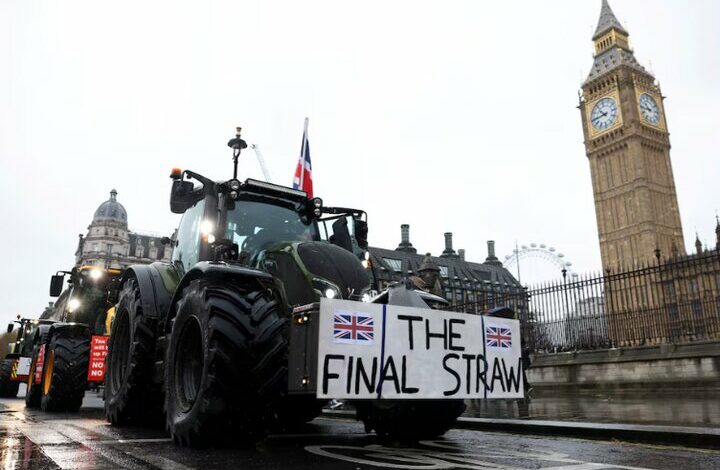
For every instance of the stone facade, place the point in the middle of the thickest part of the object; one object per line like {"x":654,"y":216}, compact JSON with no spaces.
{"x":695,"y":365}
{"x":110,"y":244}
{"x":628,"y":148}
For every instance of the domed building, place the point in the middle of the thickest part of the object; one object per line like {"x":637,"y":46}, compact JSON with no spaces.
{"x":109,"y":242}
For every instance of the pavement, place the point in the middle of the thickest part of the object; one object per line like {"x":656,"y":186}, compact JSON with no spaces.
{"x":30,"y":439}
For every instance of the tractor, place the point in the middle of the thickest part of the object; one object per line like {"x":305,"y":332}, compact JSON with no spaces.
{"x":69,"y":354}
{"x":16,"y":365}
{"x":203,"y":342}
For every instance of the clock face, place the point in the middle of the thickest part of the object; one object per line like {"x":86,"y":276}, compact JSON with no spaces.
{"x":604,"y":114}
{"x":649,"y":109}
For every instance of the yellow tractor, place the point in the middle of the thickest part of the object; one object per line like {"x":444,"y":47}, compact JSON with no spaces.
{"x":70,"y":354}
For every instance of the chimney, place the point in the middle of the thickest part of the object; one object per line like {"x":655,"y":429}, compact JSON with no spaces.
{"x":491,"y":258}
{"x":449,"y":252}
{"x":461,"y":253}
{"x":405,"y":244}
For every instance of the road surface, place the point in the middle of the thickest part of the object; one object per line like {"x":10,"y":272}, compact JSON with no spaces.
{"x":30,"y":439}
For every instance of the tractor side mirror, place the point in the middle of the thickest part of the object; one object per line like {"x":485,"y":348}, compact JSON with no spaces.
{"x":181,"y":196}
{"x":341,"y":234}
{"x":361,"y":231}
{"x":11,"y":326}
{"x":56,"y":285}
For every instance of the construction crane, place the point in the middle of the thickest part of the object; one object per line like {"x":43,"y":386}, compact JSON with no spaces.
{"x":261,"y":160}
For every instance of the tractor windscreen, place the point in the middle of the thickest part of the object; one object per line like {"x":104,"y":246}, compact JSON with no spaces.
{"x":255,"y":226}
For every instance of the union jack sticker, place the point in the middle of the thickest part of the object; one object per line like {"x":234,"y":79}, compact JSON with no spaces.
{"x":498,"y":337}
{"x":353,"y":328}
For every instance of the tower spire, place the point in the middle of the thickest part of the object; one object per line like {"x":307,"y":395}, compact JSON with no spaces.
{"x":607,"y":21}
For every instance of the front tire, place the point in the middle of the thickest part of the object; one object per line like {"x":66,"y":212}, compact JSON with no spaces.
{"x":409,"y":420}
{"x":8,"y":388}
{"x":130,"y":393}
{"x":64,"y":375}
{"x":226,"y":364}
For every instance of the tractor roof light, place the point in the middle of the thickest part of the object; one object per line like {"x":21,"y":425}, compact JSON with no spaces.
{"x":234,"y":185}
{"x":317,"y":202}
{"x":176,"y":173}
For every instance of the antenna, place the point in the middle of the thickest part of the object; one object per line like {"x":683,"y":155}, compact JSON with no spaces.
{"x":261,"y":160}
{"x":237,"y":144}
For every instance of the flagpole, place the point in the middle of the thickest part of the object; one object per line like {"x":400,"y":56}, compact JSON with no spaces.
{"x":302,"y":153}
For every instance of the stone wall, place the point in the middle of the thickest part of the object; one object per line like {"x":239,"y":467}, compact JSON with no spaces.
{"x":667,"y":367}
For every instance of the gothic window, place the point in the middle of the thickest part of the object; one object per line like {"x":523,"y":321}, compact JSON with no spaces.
{"x":109,"y":248}
{"x":139,"y":251}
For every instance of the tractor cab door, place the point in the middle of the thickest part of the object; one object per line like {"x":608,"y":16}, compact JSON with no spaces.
{"x":348,"y":231}
{"x":189,"y":238}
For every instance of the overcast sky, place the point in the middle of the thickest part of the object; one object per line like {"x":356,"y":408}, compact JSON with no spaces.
{"x":448,"y":115}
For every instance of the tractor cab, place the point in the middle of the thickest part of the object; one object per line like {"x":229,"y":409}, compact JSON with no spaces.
{"x":89,"y":298}
{"x":23,"y":345}
{"x":313,"y":250}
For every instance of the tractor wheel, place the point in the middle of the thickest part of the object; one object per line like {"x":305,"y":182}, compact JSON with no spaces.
{"x":64,"y":375}
{"x":409,"y":420}
{"x":130,"y":395}
{"x":32,"y":393}
{"x":226,"y":364}
{"x":8,"y":388}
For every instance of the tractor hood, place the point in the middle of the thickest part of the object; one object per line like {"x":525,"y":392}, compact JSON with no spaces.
{"x":337,"y":265}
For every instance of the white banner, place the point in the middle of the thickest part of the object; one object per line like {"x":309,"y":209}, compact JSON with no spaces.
{"x":388,"y":351}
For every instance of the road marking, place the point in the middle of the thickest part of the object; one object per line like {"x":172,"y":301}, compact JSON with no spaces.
{"x":442,"y":455}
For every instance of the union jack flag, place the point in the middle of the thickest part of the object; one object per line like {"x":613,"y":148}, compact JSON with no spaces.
{"x":498,"y":337}
{"x":303,"y":172}
{"x":353,"y":328}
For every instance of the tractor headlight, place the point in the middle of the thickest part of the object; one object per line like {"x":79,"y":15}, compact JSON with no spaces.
{"x":95,"y":274}
{"x":234,"y":185}
{"x":72,"y":305}
{"x":326,"y":289}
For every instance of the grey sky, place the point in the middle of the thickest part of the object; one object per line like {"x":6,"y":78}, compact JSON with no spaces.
{"x":450,"y":116}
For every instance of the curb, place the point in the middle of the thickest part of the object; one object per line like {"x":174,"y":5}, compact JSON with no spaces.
{"x":653,"y":434}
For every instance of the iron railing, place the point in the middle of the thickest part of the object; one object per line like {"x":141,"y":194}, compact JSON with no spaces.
{"x":668,"y":301}
{"x":673,"y":301}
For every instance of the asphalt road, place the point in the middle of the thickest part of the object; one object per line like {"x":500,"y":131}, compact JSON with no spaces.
{"x":84,"y":440}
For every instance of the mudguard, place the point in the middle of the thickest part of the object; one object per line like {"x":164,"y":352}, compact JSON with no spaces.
{"x":41,"y":334}
{"x":157,"y":283}
{"x":219,"y":270}
{"x":72,"y":329}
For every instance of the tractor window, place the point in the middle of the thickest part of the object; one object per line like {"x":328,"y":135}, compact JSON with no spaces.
{"x":187,"y":251}
{"x":330,"y":225}
{"x":254,"y":226}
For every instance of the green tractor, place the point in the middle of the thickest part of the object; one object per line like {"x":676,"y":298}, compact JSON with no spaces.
{"x":69,"y":354}
{"x":205,"y":339}
{"x":15,"y":367}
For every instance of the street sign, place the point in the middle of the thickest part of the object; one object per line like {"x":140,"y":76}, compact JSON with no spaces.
{"x":98,"y":351}
{"x":371,"y":351}
{"x":39,"y":364}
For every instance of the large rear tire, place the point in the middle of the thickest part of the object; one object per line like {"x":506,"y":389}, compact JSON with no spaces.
{"x":226,"y":364}
{"x":64,"y":375}
{"x":32,"y":392}
{"x":130,"y":393}
{"x":409,"y":420}
{"x":8,"y":388}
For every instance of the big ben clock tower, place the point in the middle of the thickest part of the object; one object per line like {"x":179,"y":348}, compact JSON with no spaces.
{"x":628,"y":146}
